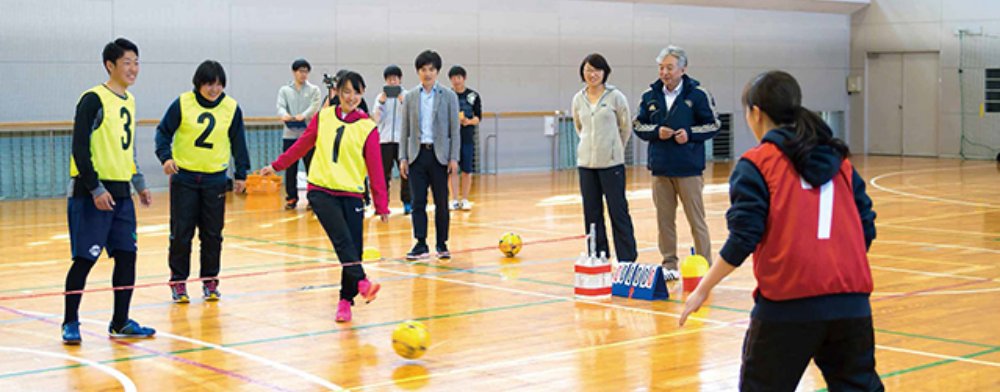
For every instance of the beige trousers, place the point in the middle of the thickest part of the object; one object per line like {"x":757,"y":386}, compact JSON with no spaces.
{"x":666,"y":191}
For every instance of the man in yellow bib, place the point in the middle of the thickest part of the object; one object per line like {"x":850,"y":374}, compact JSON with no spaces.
{"x":195,"y":140}
{"x":100,"y":210}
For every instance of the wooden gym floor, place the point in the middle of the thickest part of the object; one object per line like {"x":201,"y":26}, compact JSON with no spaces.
{"x":497,"y":324}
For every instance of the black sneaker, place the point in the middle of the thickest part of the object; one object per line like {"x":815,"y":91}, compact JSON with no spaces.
{"x":419,"y":252}
{"x":443,"y":253}
{"x":290,"y":204}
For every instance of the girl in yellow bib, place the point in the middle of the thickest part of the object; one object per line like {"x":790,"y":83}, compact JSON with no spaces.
{"x":198,"y":135}
{"x":347,"y":149}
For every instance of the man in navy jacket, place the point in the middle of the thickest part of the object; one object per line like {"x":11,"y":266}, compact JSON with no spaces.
{"x":676,"y":116}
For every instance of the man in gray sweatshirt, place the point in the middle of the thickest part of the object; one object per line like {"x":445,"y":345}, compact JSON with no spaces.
{"x":298,"y":102}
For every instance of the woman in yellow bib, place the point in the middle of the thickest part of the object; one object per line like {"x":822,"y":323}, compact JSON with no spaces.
{"x":347,"y":149}
{"x":198,"y":135}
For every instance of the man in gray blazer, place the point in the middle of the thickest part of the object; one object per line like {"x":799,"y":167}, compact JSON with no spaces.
{"x":429,"y":152}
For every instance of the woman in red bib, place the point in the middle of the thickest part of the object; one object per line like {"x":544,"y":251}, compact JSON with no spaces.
{"x":347,"y":149}
{"x":800,"y":207}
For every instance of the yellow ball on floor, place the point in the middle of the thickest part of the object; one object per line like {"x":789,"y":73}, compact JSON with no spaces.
{"x":370,"y":254}
{"x":510,"y":244}
{"x":410,"y":339}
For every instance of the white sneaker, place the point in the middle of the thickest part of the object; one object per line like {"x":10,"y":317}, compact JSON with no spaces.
{"x":453,"y":205}
{"x":465,"y":205}
{"x":671,"y":275}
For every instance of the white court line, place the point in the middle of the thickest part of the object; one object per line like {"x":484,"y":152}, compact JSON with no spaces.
{"x":874,"y":183}
{"x":946,"y":246}
{"x":267,"y":362}
{"x":126,"y":382}
{"x":980,"y":233}
{"x":550,"y":296}
{"x":268,"y":252}
{"x":35,"y":226}
{"x":939,"y":356}
{"x":926,"y":273}
{"x":952,"y":292}
{"x":537,"y":358}
{"x":327,"y":239}
{"x":67,"y":260}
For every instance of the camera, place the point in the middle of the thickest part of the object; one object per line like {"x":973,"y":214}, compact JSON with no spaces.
{"x":330,"y":81}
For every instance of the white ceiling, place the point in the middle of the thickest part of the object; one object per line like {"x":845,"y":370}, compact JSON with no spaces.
{"x":827,"y":6}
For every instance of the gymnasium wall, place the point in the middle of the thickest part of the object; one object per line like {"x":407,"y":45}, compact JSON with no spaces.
{"x":522,"y":55}
{"x":915,"y":26}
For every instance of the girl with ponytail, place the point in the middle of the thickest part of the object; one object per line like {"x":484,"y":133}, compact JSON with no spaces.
{"x":801,"y":209}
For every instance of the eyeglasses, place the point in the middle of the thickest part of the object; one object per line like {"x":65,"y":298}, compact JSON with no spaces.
{"x":593,"y":71}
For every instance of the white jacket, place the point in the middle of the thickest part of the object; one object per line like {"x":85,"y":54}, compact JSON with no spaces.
{"x":603,"y":131}
{"x":389,"y":116}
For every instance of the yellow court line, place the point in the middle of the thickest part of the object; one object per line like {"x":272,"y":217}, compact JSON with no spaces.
{"x":539,"y":357}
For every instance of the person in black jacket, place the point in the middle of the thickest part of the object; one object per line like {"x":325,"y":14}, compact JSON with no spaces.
{"x":99,"y":208}
{"x":800,"y":207}
{"x":199,"y":134}
{"x":676,"y":116}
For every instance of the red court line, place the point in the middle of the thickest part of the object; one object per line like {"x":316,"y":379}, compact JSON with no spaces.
{"x":156,"y":352}
{"x":259,"y":273}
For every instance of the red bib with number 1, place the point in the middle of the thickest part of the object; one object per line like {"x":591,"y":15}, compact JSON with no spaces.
{"x":813,"y":243}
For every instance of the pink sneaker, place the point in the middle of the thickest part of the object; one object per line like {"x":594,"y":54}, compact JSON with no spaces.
{"x":368,"y":289}
{"x":343,"y":311}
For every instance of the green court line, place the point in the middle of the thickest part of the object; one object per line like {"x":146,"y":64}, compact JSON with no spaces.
{"x":929,"y":365}
{"x":556,"y":284}
{"x":289,"y":337}
{"x":455,"y":269}
{"x":922,"y":367}
{"x":946,"y":340}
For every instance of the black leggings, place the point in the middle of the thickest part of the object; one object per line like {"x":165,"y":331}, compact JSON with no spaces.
{"x":342,"y":217}
{"x":292,"y":172}
{"x":124,"y":276}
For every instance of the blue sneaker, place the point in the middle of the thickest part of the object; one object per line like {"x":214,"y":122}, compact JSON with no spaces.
{"x":407,"y":209}
{"x":71,"y":333}
{"x":131,"y":329}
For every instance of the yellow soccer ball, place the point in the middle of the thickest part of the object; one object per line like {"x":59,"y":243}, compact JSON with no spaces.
{"x":410,"y":339}
{"x":510,"y":244}
{"x":370,"y":254}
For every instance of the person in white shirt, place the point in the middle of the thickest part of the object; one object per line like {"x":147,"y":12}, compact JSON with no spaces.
{"x":388,"y":114}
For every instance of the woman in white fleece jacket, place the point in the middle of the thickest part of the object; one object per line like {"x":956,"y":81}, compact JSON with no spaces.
{"x":603,"y":121}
